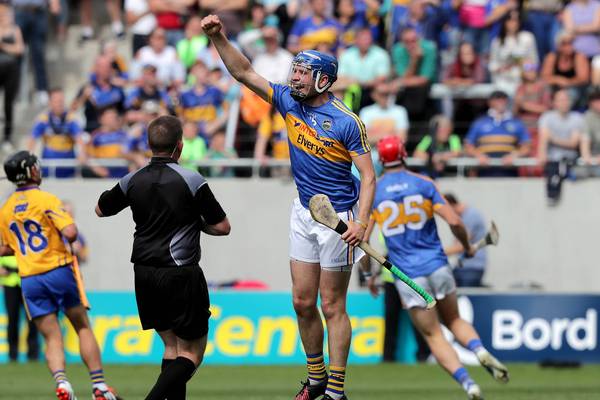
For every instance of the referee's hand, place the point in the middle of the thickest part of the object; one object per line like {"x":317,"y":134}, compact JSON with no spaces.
{"x":354,"y":235}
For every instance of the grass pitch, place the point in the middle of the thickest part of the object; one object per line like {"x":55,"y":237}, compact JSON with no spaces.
{"x":372,"y":382}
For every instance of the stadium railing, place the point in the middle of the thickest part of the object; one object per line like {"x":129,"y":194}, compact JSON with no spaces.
{"x":461,"y":164}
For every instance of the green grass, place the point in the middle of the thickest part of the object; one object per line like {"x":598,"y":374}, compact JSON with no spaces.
{"x":376,"y":382}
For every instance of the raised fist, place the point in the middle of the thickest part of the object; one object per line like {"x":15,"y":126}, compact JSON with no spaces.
{"x":211,"y":24}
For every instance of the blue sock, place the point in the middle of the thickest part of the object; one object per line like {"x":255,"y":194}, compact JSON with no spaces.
{"x":475,"y":345}
{"x":462,"y":376}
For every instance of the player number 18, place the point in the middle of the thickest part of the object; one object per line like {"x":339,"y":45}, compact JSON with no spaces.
{"x":35,"y":240}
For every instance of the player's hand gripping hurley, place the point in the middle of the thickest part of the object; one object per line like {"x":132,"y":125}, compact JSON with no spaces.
{"x":323,"y":212}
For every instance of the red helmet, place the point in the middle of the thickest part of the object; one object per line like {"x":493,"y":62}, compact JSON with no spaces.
{"x":391,"y":151}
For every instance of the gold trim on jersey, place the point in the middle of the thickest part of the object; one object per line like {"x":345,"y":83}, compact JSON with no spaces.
{"x":309,"y":141}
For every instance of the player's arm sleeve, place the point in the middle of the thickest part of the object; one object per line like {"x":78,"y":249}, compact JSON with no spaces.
{"x":279,"y":96}
{"x":436,"y":197}
{"x":56,"y":212}
{"x":356,"y":137}
{"x":210,"y":209}
{"x":112,"y":201}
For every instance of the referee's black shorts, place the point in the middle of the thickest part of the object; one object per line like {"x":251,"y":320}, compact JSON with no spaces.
{"x":173,"y":298}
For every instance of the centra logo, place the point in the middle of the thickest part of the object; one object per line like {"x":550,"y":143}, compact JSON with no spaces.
{"x":509,"y":331}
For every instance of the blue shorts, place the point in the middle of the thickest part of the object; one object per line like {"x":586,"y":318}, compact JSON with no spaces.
{"x":50,"y":292}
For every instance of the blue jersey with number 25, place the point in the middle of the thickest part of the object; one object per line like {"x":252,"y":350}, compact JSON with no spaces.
{"x":403,"y":209}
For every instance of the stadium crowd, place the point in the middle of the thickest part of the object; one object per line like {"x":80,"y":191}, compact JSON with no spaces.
{"x":488,"y":79}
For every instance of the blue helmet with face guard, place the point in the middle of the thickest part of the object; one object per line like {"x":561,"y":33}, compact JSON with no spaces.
{"x":319,"y":64}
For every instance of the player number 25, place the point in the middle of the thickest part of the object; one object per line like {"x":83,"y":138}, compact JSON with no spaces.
{"x":35,"y":239}
{"x":405,"y":210}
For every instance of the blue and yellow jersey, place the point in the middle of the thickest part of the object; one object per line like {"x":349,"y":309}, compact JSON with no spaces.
{"x":138,"y":144}
{"x":104,"y":97}
{"x":107,"y":144}
{"x":200,"y":107}
{"x":58,"y":134}
{"x":403,"y":207}
{"x":30,"y":224}
{"x":309,"y":34}
{"x":360,"y":20}
{"x":322,"y":142}
{"x":497,"y":138}
{"x":137,"y":97}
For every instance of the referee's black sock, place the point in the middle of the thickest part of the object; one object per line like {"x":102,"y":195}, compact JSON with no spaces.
{"x":175,"y":375}
{"x":175,"y":393}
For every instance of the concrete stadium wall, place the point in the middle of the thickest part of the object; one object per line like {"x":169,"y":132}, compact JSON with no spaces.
{"x":555,"y":247}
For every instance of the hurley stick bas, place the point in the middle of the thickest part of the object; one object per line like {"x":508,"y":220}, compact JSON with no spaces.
{"x":323,"y":212}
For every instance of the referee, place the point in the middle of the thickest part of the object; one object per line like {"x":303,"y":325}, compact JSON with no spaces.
{"x":170,"y":206}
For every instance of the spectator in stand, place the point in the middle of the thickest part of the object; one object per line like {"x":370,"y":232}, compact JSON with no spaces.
{"x":497,"y":135}
{"x":466,"y":71}
{"x":316,"y":31}
{"x":251,"y":39}
{"x":86,"y":17}
{"x":438,"y":147}
{"x":566,"y":68}
{"x":170,"y":16}
{"x":32,"y":18}
{"x":203,"y":103}
{"x":148,"y":89}
{"x":231,"y":13}
{"x":414,"y":61}
{"x":479,"y":20}
{"x":195,"y":40}
{"x":136,"y":149}
{"x":272,"y":131}
{"x":509,"y":51}
{"x":102,"y":91}
{"x":560,"y":137}
{"x":218,"y":151}
{"x":543,"y":22}
{"x":469,"y":271}
{"x":425,"y":18}
{"x":107,"y":142}
{"x":364,"y":64}
{"x":352,"y":20}
{"x":581,"y":19}
{"x":141,"y":22}
{"x":590,"y":146}
{"x":533,"y":98}
{"x":194,"y":146}
{"x":170,"y":71}
{"x":11,"y":50}
{"x":59,"y":133}
{"x":119,"y":65}
{"x":384,"y":118}
{"x":274,"y":62}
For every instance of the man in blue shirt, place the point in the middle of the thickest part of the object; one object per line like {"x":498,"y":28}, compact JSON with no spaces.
{"x":470,"y":270}
{"x":60,"y":134}
{"x":497,"y":135}
{"x":325,"y":138}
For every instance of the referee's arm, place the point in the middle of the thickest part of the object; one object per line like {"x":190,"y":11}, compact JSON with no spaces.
{"x":111,"y":202}
{"x":213,"y":218}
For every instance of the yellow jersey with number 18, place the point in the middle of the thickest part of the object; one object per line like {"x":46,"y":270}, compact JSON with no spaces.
{"x":30,"y":224}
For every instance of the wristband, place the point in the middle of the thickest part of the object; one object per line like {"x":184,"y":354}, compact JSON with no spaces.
{"x":358,"y":221}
